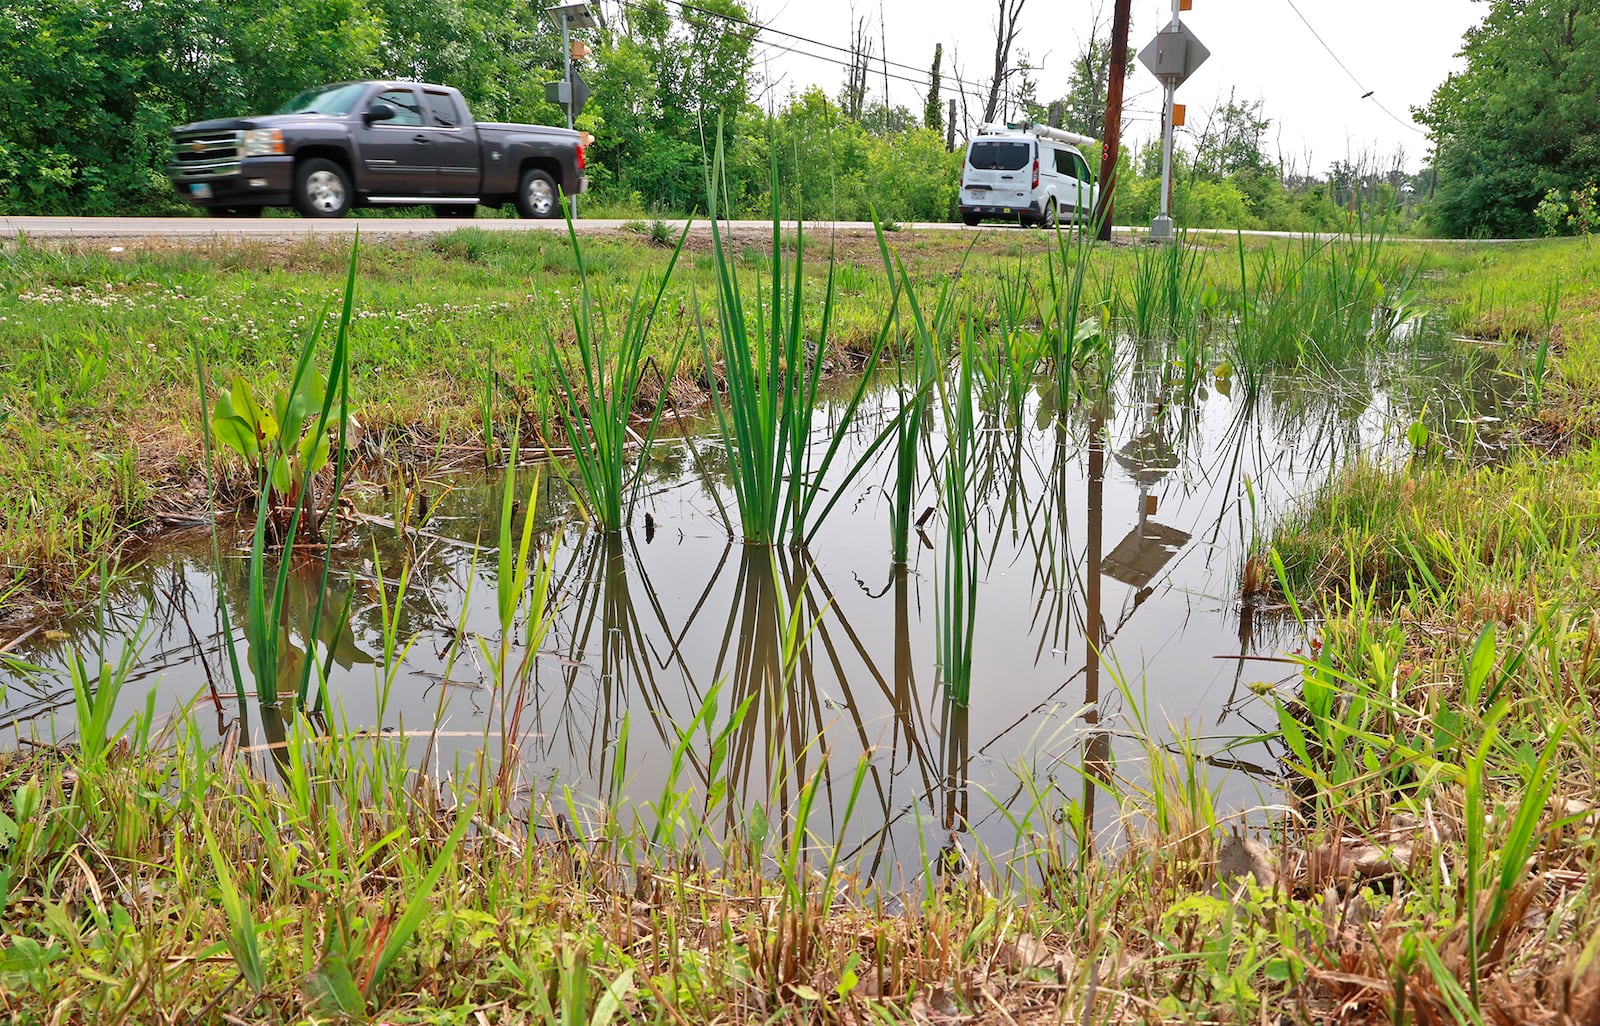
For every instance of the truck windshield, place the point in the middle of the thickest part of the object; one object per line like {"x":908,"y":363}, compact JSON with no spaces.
{"x":999,"y":156}
{"x":333,"y":99}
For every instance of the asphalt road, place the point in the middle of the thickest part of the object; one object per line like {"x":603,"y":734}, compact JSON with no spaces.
{"x":300,"y":227}
{"x":289,"y":228}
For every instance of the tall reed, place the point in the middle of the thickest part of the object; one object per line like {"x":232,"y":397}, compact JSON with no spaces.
{"x":915,"y":391}
{"x":772,"y":359}
{"x":955,"y":611}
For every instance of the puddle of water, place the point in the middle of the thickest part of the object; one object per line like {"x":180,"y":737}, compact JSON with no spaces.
{"x":1112,"y":542}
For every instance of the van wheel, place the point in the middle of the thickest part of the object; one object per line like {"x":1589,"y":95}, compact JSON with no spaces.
{"x":1049,"y":218}
{"x":321,"y":189}
{"x":537,"y":195}
{"x":970,"y":220}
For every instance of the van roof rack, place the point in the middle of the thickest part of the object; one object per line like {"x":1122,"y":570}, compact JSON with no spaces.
{"x":1042,"y":131}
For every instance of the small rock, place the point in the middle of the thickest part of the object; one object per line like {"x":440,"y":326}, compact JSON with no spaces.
{"x":1242,"y":856}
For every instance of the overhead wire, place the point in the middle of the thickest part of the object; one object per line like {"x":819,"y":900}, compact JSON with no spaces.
{"x":922,"y":77}
{"x":1366,"y":94}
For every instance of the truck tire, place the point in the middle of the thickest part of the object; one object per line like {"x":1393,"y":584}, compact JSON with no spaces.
{"x":321,"y":188}
{"x":467,"y":210}
{"x":537,"y":195}
{"x":970,"y":220}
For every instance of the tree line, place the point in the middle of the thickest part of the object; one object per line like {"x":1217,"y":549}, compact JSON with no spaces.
{"x":89,"y":90}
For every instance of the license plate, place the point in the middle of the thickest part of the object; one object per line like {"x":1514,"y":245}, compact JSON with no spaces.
{"x":200,"y":190}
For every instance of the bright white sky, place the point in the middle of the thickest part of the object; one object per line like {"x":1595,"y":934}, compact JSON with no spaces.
{"x":1399,"y":49}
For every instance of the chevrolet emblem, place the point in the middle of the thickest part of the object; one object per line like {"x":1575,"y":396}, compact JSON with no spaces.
{"x":197,"y":147}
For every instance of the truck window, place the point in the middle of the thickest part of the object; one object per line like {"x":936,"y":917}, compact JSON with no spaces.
{"x":407,"y":111}
{"x":332,"y":99}
{"x":443,"y":110}
{"x":987,"y":155}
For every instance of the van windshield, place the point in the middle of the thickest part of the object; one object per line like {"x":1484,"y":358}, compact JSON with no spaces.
{"x":999,"y":156}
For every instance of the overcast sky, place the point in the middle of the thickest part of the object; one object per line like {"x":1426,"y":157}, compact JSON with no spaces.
{"x":1398,"y":49}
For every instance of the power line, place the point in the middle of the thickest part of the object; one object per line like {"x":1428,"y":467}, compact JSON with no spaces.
{"x":922,"y":80}
{"x":1366,"y":94}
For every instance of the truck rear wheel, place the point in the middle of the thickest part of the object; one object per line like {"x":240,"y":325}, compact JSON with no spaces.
{"x":321,"y":189}
{"x":537,"y":195}
{"x":970,"y":220}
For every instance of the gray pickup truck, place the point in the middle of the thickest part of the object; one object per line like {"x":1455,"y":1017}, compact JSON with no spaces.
{"x":375,"y":144}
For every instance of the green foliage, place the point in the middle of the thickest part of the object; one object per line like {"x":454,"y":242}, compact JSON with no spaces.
{"x":1520,"y":120}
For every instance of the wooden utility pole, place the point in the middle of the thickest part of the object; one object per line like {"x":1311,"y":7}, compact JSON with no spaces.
{"x":1111,"y":145}
{"x":950,"y":128}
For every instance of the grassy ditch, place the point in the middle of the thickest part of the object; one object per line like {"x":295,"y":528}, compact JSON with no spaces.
{"x":1431,"y":861}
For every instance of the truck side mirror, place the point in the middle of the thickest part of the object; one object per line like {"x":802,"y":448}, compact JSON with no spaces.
{"x":379,"y":111}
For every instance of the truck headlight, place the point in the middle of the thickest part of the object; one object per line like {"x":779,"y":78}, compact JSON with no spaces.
{"x":259,"y":142}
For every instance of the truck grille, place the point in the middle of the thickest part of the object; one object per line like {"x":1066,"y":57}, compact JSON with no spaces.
{"x":202,"y":154}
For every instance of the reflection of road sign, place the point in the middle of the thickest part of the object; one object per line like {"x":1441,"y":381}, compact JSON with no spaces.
{"x":1140,"y":556}
{"x":1174,"y":54}
{"x":561,"y":93}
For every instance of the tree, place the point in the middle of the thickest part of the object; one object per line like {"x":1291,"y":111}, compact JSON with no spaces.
{"x":854,"y":100}
{"x":1005,"y":34}
{"x":1232,"y":140}
{"x":1085,"y":102}
{"x":1520,"y":120}
{"x":933,"y":112}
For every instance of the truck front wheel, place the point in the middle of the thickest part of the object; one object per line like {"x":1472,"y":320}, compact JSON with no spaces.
{"x":321,"y":189}
{"x":537,"y":195}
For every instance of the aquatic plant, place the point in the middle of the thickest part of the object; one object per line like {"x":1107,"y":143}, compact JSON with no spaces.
{"x":597,"y":403}
{"x":772,"y":366}
{"x":956,"y":609}
{"x":291,"y":445}
{"x":915,"y":385}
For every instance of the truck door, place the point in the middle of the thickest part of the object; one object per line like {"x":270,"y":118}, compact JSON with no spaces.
{"x":396,"y":155}
{"x":454,"y":142}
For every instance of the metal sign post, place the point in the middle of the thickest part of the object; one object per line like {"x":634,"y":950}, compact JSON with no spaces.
{"x":571,"y":16}
{"x":1172,"y":56}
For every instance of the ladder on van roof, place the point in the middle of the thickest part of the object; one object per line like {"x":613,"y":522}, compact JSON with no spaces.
{"x":1042,"y":131}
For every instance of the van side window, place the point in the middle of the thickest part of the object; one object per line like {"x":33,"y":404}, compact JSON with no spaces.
{"x":407,"y":111}
{"x":1083,"y":173}
{"x":1065,"y":164}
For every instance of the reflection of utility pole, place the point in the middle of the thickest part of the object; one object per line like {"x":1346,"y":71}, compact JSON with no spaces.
{"x":1097,"y":746}
{"x":1111,"y":131}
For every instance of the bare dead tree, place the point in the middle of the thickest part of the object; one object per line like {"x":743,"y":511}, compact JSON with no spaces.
{"x":1005,"y":34}
{"x":855,"y":86}
{"x":961,"y":87}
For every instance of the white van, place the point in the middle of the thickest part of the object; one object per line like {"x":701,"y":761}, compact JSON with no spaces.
{"x":1032,"y":174}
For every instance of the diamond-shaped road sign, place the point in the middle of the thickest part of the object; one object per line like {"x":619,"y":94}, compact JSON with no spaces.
{"x":574,"y":94}
{"x":1174,"y":54}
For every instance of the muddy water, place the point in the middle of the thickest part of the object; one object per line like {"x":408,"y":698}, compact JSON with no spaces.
{"x":1112,"y":544}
